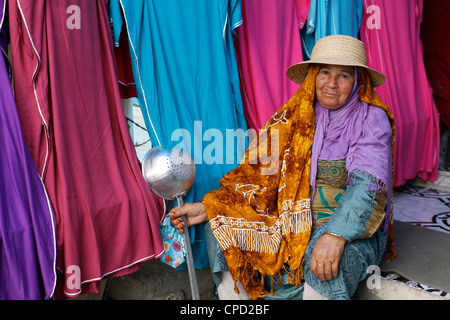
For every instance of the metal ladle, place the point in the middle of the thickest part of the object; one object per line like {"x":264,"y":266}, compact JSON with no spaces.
{"x":170,"y":172}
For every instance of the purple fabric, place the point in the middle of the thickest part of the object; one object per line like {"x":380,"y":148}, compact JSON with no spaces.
{"x":27,"y":237}
{"x":361,"y":134}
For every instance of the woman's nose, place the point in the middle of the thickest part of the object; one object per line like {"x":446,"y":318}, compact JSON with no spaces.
{"x":333,"y":82}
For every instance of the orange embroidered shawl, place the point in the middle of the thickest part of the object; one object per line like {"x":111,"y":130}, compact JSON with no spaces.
{"x":261,"y":214}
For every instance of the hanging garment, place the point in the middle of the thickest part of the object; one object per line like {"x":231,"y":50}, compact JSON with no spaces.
{"x":268,"y":44}
{"x":326,"y":18}
{"x":27,"y":230}
{"x":435,"y":28}
{"x":125,"y":70}
{"x":188,"y":85}
{"x":390,"y":31}
{"x":69,"y":105}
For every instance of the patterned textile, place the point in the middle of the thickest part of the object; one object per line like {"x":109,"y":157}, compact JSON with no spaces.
{"x":331,"y":185}
{"x":356,"y":258}
{"x":358,"y":255}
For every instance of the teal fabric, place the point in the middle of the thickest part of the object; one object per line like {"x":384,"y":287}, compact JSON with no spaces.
{"x":353,"y":267}
{"x":217,"y":260}
{"x":354,"y":208}
{"x":187,"y":82}
{"x":328,"y":17}
{"x":349,"y":220}
{"x":358,"y":255}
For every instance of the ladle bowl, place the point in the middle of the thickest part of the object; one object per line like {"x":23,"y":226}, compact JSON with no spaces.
{"x":169,"y":172}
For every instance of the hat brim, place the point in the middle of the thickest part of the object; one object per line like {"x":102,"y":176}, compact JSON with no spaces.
{"x":298,"y":71}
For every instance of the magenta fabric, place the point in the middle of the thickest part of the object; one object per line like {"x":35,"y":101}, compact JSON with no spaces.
{"x":391,"y":33}
{"x":268,"y":44}
{"x":66,"y":85}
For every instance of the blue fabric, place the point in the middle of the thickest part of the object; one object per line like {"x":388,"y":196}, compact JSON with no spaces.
{"x":188,"y":86}
{"x":326,"y":17}
{"x":352,"y":213}
{"x":355,"y":260}
{"x":354,"y":209}
{"x":218,"y":263}
{"x":358,"y":255}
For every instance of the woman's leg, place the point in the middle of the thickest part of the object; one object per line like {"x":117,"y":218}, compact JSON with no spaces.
{"x":356,"y":258}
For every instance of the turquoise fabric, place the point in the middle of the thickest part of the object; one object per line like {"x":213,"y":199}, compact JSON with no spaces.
{"x":187,"y":81}
{"x":354,"y":208}
{"x":217,"y":260}
{"x":358,"y":255}
{"x":353,"y":268}
{"x":327,"y":17}
{"x":349,"y":220}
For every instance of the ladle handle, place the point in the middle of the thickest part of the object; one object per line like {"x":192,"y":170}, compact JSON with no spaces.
{"x":189,"y":256}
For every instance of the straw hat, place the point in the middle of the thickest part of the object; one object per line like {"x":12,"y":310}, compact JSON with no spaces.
{"x":336,"y":50}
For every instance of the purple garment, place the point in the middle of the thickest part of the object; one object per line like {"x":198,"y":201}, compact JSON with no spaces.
{"x":359,"y":133}
{"x":27,"y":233}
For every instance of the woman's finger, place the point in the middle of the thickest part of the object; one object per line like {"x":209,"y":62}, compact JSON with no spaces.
{"x":318,"y":270}
{"x":176,"y":221}
{"x":335,"y":269}
{"x":176,"y":212}
{"x":328,"y":272}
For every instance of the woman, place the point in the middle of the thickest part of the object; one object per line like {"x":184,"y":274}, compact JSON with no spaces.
{"x":324,"y":215}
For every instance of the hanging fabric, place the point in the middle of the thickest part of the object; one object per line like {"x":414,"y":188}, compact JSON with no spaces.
{"x":27,"y":230}
{"x":67,"y":94}
{"x":326,"y":18}
{"x":125,"y":70}
{"x":188,"y":85}
{"x":390,"y":31}
{"x":268,"y":43}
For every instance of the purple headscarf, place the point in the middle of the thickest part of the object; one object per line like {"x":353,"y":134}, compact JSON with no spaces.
{"x":359,"y":133}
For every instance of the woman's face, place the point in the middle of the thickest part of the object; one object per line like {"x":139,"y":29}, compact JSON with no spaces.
{"x":334,"y":85}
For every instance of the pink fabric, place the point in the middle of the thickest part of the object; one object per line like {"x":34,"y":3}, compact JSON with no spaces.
{"x":391,"y":33}
{"x":268,"y":43}
{"x":66,"y":85}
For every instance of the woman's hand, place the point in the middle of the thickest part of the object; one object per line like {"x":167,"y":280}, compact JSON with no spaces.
{"x":195,"y":214}
{"x":326,"y":255}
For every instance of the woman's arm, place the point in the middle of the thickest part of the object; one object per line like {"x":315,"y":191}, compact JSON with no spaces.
{"x":349,"y":222}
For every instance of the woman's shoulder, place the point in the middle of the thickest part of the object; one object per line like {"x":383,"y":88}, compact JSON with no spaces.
{"x":378,"y":113}
{"x":377,"y":120}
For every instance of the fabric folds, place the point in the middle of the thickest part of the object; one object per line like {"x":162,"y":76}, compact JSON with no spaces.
{"x":27,"y":227}
{"x":187,"y":82}
{"x":390,"y":31}
{"x":68,"y":100}
{"x":268,"y":42}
